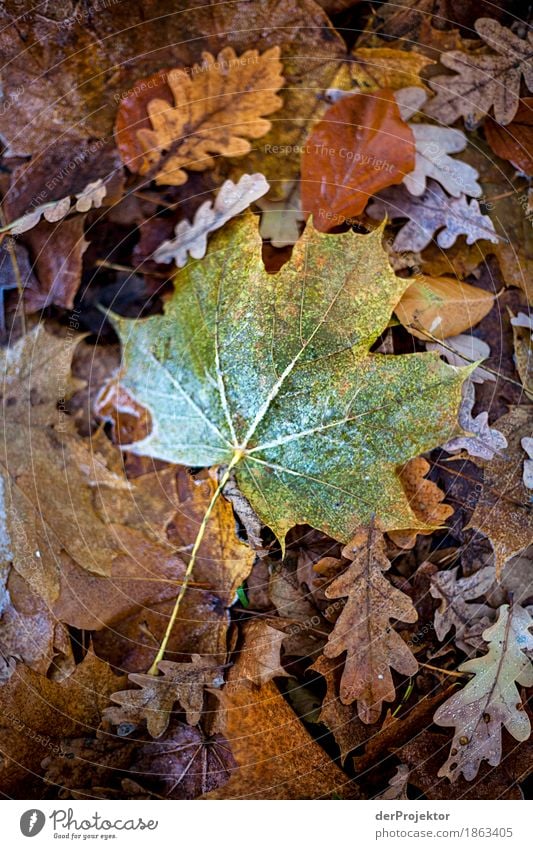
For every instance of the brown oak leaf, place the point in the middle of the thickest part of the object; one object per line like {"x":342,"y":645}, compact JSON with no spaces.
{"x":425,"y":499}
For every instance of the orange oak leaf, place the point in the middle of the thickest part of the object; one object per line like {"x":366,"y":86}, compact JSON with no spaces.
{"x":425,"y":499}
{"x":217,"y":107}
{"x":360,"y":146}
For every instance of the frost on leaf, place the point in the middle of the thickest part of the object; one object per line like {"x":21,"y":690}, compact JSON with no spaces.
{"x":432,"y":213}
{"x":454,"y":612}
{"x":491,"y":700}
{"x":363,"y":629}
{"x":433,"y":145}
{"x":216,"y":109}
{"x":191,"y":238}
{"x":272,"y":373}
{"x":479,"y":439}
{"x":484,"y":80}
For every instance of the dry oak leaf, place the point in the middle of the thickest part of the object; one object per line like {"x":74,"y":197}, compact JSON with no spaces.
{"x":397,"y":788}
{"x":180,"y":682}
{"x":191,"y":238}
{"x":280,"y":384}
{"x":216,"y":109}
{"x":431,"y":212}
{"x":454,"y":612}
{"x":386,"y":67}
{"x":514,"y":141}
{"x":483,"y":80}
{"x":433,"y":144}
{"x":59,"y":491}
{"x":363,"y":629}
{"x":425,"y":499}
{"x":491,"y":698}
{"x":360,"y":146}
{"x":441,"y":307}
{"x":523,"y":353}
{"x":480,"y":440}
{"x":503,"y":512}
{"x":260,"y":653}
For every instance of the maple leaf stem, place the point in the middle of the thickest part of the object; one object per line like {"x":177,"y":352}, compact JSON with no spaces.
{"x":190,"y":566}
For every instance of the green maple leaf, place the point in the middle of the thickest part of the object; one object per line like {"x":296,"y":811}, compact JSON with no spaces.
{"x":272,"y":374}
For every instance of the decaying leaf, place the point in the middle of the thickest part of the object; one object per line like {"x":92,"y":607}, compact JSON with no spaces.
{"x":503,"y":511}
{"x":463,"y":349}
{"x":433,"y":146}
{"x":216,"y":109}
{"x":386,"y":67}
{"x":425,"y":499}
{"x":523,"y":353}
{"x":483,"y":80}
{"x":260,"y":654}
{"x":191,"y":238}
{"x":180,"y":682}
{"x":363,"y":629}
{"x":360,"y":146}
{"x":397,"y":788}
{"x":514,"y":141}
{"x":431,"y":212}
{"x":454,"y":611}
{"x":441,"y":307}
{"x":232,"y":395}
{"x":91,"y":196}
{"x":43,"y":458}
{"x":491,"y":698}
{"x":479,"y":440}
{"x":342,"y":720}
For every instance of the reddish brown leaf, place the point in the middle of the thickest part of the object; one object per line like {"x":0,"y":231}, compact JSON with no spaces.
{"x":515,"y":140}
{"x":360,"y":146}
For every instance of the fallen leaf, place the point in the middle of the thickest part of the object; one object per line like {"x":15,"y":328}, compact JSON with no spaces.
{"x":514,"y":141}
{"x":153,"y":702}
{"x":431,"y":212}
{"x":191,"y":238}
{"x":523,"y":354}
{"x":281,"y":220}
{"x":397,"y":788}
{"x":342,"y":720}
{"x":527,"y":477}
{"x":360,"y":146}
{"x":58,"y":255}
{"x":491,"y":698}
{"x":484,"y":80}
{"x":454,"y":611}
{"x":425,"y":499}
{"x":36,"y":713}
{"x":442,"y":307}
{"x":462,"y":350}
{"x":44,"y":458}
{"x":387,"y":67}
{"x":239,"y":407}
{"x":363,"y":628}
{"x":503,"y":510}
{"x":276,"y":757}
{"x":260,"y":653}
{"x":481,"y":440}
{"x":217,"y":107}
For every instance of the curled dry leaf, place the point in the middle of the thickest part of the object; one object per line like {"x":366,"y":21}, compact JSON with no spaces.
{"x":363,"y":629}
{"x":191,"y":238}
{"x":91,"y":196}
{"x":216,"y":109}
{"x":503,"y":511}
{"x":153,"y":702}
{"x":441,"y":307}
{"x":479,"y":440}
{"x":514,"y":141}
{"x":260,"y":653}
{"x":483,"y":80}
{"x":425,"y":499}
{"x":491,"y":698}
{"x":293,"y":415}
{"x":397,"y":788}
{"x":433,"y":146}
{"x":360,"y":146}
{"x":433,"y":212}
